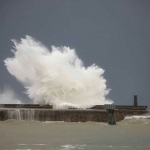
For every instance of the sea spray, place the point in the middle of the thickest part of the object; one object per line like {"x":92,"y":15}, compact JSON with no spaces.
{"x":56,"y":76}
{"x":8,"y":96}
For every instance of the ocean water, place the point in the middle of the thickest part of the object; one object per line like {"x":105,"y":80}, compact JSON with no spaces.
{"x":133,"y":133}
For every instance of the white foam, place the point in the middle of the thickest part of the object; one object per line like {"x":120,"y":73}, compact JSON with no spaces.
{"x":40,"y":144}
{"x":69,"y":146}
{"x":137,"y":117}
{"x":56,"y":76}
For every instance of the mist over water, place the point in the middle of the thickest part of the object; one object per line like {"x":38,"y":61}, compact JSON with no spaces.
{"x":7,"y":96}
{"x":56,"y":76}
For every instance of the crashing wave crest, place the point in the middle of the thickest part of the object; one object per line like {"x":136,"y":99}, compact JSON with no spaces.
{"x":56,"y":76}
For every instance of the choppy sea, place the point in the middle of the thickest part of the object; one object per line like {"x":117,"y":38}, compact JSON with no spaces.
{"x":133,"y":133}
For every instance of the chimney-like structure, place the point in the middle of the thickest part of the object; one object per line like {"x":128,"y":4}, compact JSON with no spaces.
{"x":135,"y":101}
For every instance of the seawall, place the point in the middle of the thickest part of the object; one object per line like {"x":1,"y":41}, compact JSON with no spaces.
{"x":54,"y":115}
{"x":46,"y":113}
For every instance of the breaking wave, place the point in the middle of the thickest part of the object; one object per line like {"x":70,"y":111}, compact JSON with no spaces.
{"x":56,"y":76}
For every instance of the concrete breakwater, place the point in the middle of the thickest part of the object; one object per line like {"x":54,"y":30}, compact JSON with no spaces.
{"x":54,"y":115}
{"x":46,"y":113}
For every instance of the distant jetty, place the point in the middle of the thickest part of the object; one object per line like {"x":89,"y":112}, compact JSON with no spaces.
{"x":97,"y":113}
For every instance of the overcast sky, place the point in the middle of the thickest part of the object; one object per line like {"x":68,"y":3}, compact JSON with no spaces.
{"x":114,"y":35}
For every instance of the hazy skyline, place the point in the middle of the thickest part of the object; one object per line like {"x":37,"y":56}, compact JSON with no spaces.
{"x":112,"y":34}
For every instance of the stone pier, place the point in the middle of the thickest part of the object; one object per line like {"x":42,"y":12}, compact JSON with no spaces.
{"x":47,"y":113}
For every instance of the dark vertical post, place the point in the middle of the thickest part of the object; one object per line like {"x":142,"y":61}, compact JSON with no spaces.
{"x":111,"y":117}
{"x":135,"y":101}
{"x":111,"y":113}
